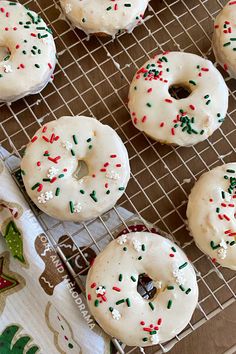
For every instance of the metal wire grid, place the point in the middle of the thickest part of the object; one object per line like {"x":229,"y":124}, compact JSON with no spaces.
{"x":92,"y":78}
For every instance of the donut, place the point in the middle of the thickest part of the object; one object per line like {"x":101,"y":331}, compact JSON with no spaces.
{"x":224,"y":36}
{"x":211,"y":214}
{"x":117,"y":306}
{"x":105,"y":16}
{"x":185,"y":121}
{"x":75,"y":168}
{"x":30,"y":54}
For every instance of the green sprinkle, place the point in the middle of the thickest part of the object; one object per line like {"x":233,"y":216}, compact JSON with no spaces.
{"x":133,"y":278}
{"x":71,"y":207}
{"x":75,"y":139}
{"x":128,"y":302}
{"x":143,"y":247}
{"x":151,"y":305}
{"x":173,"y":249}
{"x":232,"y":243}
{"x":37,"y":66}
{"x":182,"y":288}
{"x":61,"y":175}
{"x":120,"y":301}
{"x":145,"y":339}
{"x":82,"y":191}
{"x":169,"y":304}
{"x":192,"y":82}
{"x":183,"y":265}
{"x":213,"y":246}
{"x":46,"y":180}
{"x":35,"y":186}
{"x":121,"y":188}
{"x":226,"y":44}
{"x":188,"y":291}
{"x":217,"y":210}
{"x":230,"y":171}
{"x":153,"y":332}
{"x":111,"y":309}
{"x":57,"y":192}
{"x":108,"y":191}
{"x":125,"y":249}
{"x":120,"y":277}
{"x":140,"y":258}
{"x":170,"y":287}
{"x":93,"y":196}
{"x":149,"y":104}
{"x":88,"y":140}
{"x":96,"y":303}
{"x":72,"y":152}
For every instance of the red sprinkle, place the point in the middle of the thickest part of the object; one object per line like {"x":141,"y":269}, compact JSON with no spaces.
{"x":89,"y":297}
{"x":116,"y":289}
{"x":40,"y":187}
{"x":45,"y":138}
{"x":53,"y":180}
{"x":142,"y":323}
{"x":34,"y":139}
{"x":93,"y":285}
{"x":113,"y":156}
{"x":168,"y":100}
{"x":44,"y":129}
{"x":192,"y":107}
{"x":159,"y":321}
{"x":38,"y":163}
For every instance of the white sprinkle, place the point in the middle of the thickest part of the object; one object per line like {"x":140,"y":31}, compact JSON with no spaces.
{"x":137,"y":245}
{"x":77,"y":208}
{"x":7,"y":69}
{"x":222,"y":253}
{"x":100,"y":290}
{"x":116,"y":314}
{"x":68,"y":8}
{"x":67,"y":145}
{"x":154,"y":339}
{"x":41,"y":199}
{"x":112,"y":175}
{"x":223,"y":244}
{"x":52,"y":172}
{"x":178,"y":274}
{"x":48,"y":195}
{"x":122,"y":239}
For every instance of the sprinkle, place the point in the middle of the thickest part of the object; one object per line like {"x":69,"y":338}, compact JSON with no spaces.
{"x":128,"y":302}
{"x":151,"y":305}
{"x":57,"y":192}
{"x":120,"y":277}
{"x":120,"y":301}
{"x":183,"y":265}
{"x":71,"y":207}
{"x":169,"y":304}
{"x":93,"y":196}
{"x":96,"y":303}
{"x":170,"y":287}
{"x":188,"y":291}
{"x":34,"y":139}
{"x":35,"y":186}
{"x":143,"y":247}
{"x":75,"y":139}
{"x":133,"y":278}
{"x":173,"y":249}
{"x":115,"y":288}
{"x":93,"y":285}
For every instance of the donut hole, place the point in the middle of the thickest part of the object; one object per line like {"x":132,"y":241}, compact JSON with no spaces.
{"x":5,"y":53}
{"x":82,"y":170}
{"x":179,"y":91}
{"x":145,"y":287}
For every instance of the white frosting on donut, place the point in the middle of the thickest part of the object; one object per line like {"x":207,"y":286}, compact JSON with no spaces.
{"x":185,"y":121}
{"x":224,"y":38}
{"x":112,"y":289}
{"x":51,"y":168}
{"x":211,"y":214}
{"x":31,"y":58}
{"x":105,"y":16}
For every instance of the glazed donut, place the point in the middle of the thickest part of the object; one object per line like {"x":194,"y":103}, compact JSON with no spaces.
{"x":117,"y":306}
{"x":185,"y":121}
{"x":211,"y":214}
{"x":105,"y":16}
{"x":31,"y":54}
{"x":224,"y":45}
{"x":75,"y":168}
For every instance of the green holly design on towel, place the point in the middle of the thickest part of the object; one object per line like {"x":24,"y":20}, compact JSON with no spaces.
{"x":9,"y":344}
{"x":14,"y":241}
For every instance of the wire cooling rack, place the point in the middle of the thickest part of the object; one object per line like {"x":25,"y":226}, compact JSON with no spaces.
{"x":92,"y":78}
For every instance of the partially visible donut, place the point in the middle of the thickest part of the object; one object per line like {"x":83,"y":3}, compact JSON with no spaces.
{"x":211,"y":214}
{"x":31,"y":54}
{"x":168,"y":120}
{"x":105,"y":17}
{"x":75,"y":168}
{"x":119,"y":308}
{"x":224,"y":38}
